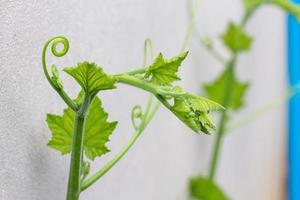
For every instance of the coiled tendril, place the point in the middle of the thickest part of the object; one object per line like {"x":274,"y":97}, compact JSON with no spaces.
{"x":58,"y":87}
{"x":56,"y":41}
{"x":136,"y":113}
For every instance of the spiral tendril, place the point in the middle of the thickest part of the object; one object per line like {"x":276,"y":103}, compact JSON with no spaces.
{"x":136,"y":113}
{"x":58,"y":53}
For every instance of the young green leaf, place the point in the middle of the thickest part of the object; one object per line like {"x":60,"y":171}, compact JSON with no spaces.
{"x":165,"y":71}
{"x":194,"y":112}
{"x":190,"y":109}
{"x":91,"y":77}
{"x":55,"y":77}
{"x":96,"y":133}
{"x":202,"y":188}
{"x":216,"y":91}
{"x":236,"y":39}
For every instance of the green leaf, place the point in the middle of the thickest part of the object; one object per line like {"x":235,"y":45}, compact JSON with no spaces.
{"x":62,"y":130}
{"x":216,"y":91}
{"x":204,"y":189}
{"x":165,"y":71}
{"x":236,"y":39}
{"x":190,"y":109}
{"x":97,"y":131}
{"x":288,"y":6}
{"x":194,"y":112}
{"x":91,"y":77}
{"x":96,"y":135}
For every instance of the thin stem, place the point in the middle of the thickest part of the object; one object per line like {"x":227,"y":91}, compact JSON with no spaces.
{"x":135,"y":72}
{"x":74,"y":183}
{"x":216,"y":55}
{"x":146,"y":120}
{"x":112,"y":162}
{"x":132,"y":73}
{"x":265,"y":108}
{"x":190,"y":26}
{"x":223,"y":120}
{"x":151,"y":114}
{"x":148,"y":44}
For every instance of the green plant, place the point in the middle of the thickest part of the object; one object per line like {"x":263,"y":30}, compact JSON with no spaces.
{"x":229,"y":91}
{"x":83,"y":130}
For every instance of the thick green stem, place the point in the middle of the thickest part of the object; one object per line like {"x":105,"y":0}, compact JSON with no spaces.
{"x":136,"y":82}
{"x":74,"y":186}
{"x":223,"y":120}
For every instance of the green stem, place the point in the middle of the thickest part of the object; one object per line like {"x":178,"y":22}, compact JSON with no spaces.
{"x":137,"y":71}
{"x":112,"y":162}
{"x":130,"y":80}
{"x":74,"y":182}
{"x":223,"y":120}
{"x":228,"y":92}
{"x":190,"y":26}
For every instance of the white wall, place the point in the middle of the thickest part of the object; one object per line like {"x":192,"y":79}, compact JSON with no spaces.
{"x":111,"y":33}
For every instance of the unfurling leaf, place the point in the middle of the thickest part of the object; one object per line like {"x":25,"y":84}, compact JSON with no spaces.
{"x":165,"y":71}
{"x":96,"y":133}
{"x":202,"y":188}
{"x":190,"y":109}
{"x":236,"y":39}
{"x":86,"y":166}
{"x":91,"y":77}
{"x":194,"y":112}
{"x":216,"y":91}
{"x":55,"y":77}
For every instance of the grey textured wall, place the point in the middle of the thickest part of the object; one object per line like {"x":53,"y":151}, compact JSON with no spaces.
{"x":111,"y":33}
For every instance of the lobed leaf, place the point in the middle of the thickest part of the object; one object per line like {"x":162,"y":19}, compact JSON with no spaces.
{"x":164,"y":71}
{"x":91,"y":77}
{"x":202,"y":188}
{"x":216,"y":91}
{"x":96,"y":133}
{"x":236,"y":39}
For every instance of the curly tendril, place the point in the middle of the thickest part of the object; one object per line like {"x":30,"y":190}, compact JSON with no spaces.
{"x":136,"y":113}
{"x":56,"y":41}
{"x":58,"y":53}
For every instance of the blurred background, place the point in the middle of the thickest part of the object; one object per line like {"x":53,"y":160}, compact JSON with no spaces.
{"x":253,"y":163}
